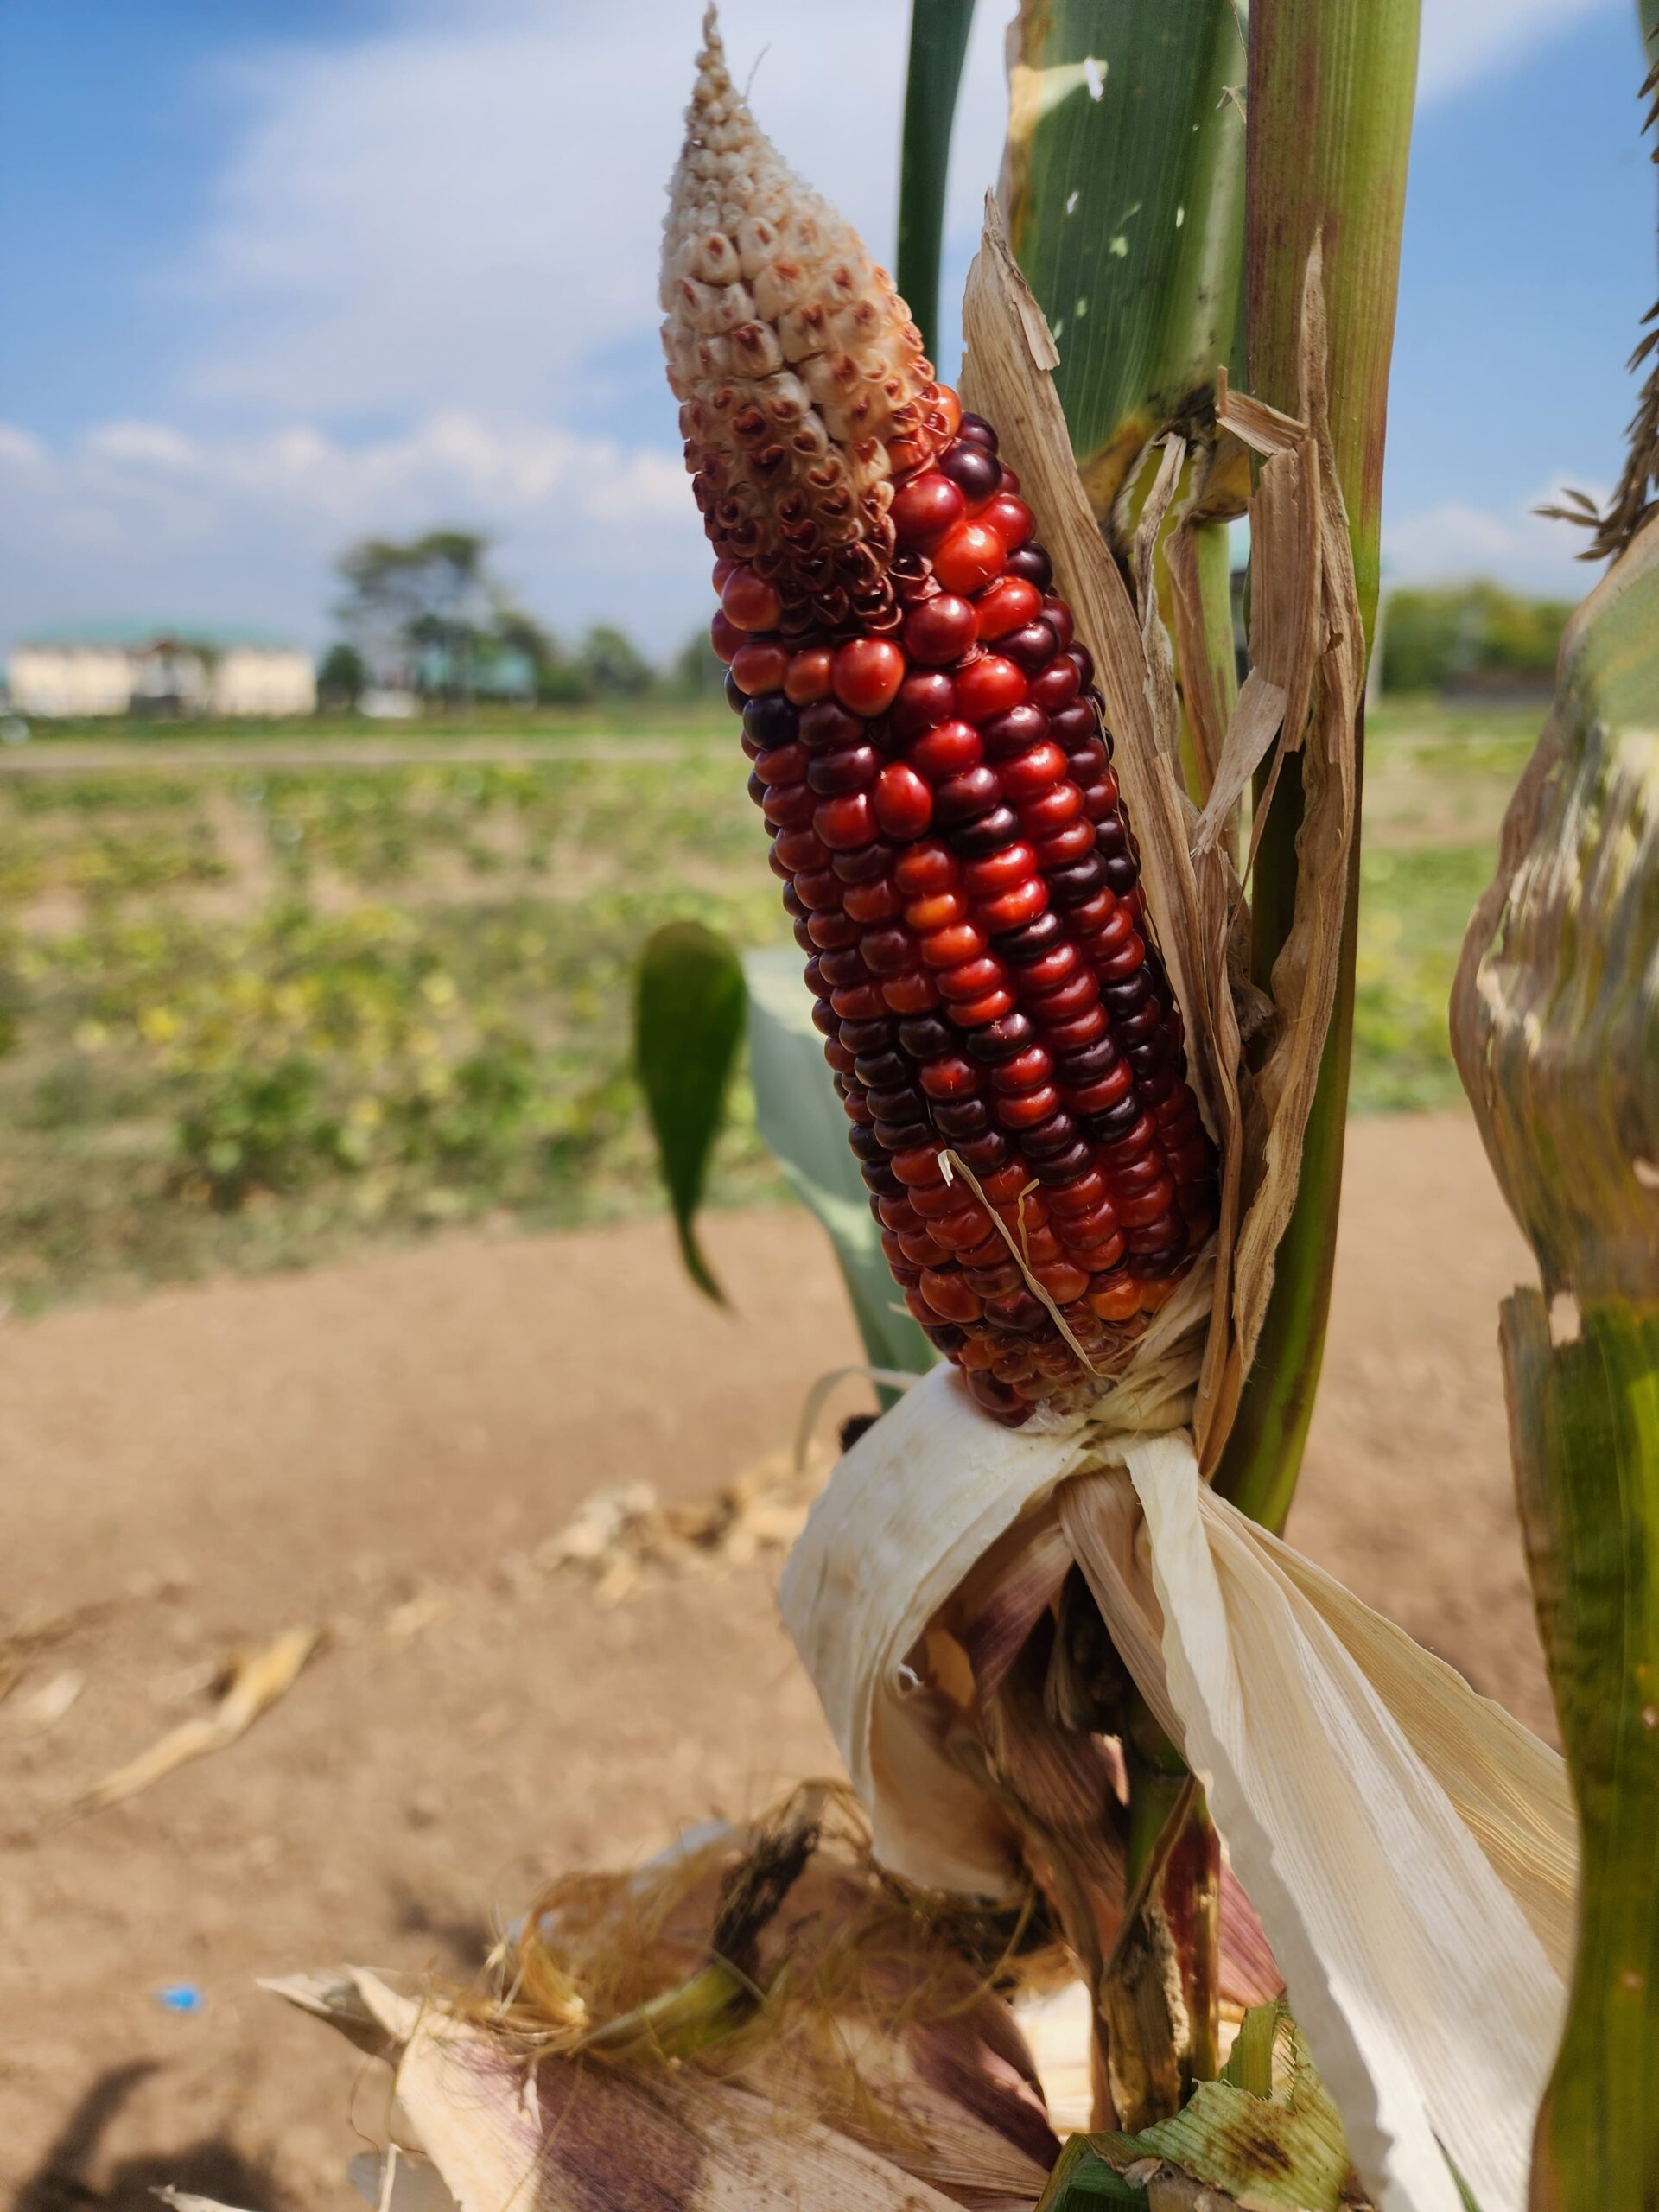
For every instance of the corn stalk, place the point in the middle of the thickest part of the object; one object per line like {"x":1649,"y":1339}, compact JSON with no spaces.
{"x":1331,"y":88}
{"x":1555,"y":1022}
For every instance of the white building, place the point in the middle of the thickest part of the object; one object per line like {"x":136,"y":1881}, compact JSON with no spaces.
{"x":146,"y":669}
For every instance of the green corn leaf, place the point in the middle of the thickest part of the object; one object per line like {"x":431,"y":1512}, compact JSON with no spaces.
{"x":1330,"y":95}
{"x":1126,"y":205}
{"x":687,"y":1023}
{"x":938,"y":42}
{"x":1283,"y":2150}
{"x":801,"y":1120}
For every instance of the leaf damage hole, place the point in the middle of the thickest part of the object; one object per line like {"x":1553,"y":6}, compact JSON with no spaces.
{"x":1566,"y":1323}
{"x":1093,"y":73}
{"x":1646,"y":1175}
{"x":1072,"y":200}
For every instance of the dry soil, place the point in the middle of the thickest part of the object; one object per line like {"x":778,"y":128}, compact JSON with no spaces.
{"x":379,"y":1450}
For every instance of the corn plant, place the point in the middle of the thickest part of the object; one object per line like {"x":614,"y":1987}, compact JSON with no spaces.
{"x":1079,"y":924}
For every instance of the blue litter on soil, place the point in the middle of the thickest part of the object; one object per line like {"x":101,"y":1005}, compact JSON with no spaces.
{"x":180,"y":1996}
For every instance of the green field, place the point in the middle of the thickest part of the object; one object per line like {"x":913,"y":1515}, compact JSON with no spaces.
{"x":257,"y":1007}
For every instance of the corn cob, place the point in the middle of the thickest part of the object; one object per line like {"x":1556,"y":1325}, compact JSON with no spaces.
{"x":930,"y":755}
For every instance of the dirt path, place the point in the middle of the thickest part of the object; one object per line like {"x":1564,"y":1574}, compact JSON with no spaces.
{"x":379,"y":1449}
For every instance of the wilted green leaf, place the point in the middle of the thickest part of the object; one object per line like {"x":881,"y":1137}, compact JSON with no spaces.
{"x":688,"y":1021}
{"x":1284,"y":2152}
{"x":801,"y":1120}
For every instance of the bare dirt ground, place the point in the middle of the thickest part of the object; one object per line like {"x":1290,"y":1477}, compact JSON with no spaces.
{"x":379,"y":1450}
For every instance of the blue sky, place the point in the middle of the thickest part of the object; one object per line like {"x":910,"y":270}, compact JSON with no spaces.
{"x":277,"y":274}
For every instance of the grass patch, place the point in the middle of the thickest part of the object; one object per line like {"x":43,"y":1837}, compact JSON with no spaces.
{"x":255,"y":1015}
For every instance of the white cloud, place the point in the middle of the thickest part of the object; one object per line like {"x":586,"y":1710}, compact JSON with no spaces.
{"x":1464,"y":41}
{"x":133,"y":519}
{"x":1517,"y":547}
{"x":467,"y":207}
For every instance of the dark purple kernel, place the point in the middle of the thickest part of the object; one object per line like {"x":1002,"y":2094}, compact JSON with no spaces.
{"x":850,"y":768}
{"x":1080,"y":879}
{"x":803,"y":936}
{"x":1050,"y":1138}
{"x":1066,"y":1166}
{"x":967,"y":796}
{"x":1116,"y":1121}
{"x":867,"y":1036}
{"x":882,"y":1180}
{"x":843,"y":967}
{"x":820,"y":728}
{"x":1030,"y":648}
{"x":1031,"y":563}
{"x":866,"y":1145}
{"x":1122,"y":873}
{"x":770,"y":720}
{"x":863,"y":866}
{"x":1120,"y":999}
{"x":924,"y":1037}
{"x":984,"y":1155}
{"x":1002,"y":1038}
{"x":972,"y":468}
{"x":736,"y":697}
{"x":961,"y":1117}
{"x":1031,"y":940}
{"x":824,"y":1018}
{"x":979,"y":840}
{"x":945,"y":1336}
{"x":1013,"y":731}
{"x":901,"y":1136}
{"x":883,"y":1070}
{"x":977,"y":431}
{"x":898,"y":1103}
{"x":1088,"y":1062}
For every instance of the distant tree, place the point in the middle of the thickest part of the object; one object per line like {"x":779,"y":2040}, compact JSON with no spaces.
{"x":1468,"y":633}
{"x":612,"y":664}
{"x":342,"y":676}
{"x":416,"y":608}
{"x":699,"y":672}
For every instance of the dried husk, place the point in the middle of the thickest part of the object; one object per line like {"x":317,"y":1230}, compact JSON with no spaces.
{"x":844,"y":2048}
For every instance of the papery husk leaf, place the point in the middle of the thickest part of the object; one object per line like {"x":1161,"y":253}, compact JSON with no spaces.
{"x":1402,"y":1926}
{"x":872,"y":2065}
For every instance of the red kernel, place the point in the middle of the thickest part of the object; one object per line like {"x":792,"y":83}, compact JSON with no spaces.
{"x":947,"y":751}
{"x":1007,"y":606}
{"x":940,"y":630}
{"x":749,"y":601}
{"x":904,"y":804}
{"x":1011,"y":518}
{"x":988,"y":686}
{"x":809,"y":676}
{"x":844,"y":824}
{"x":927,"y":507}
{"x":868,"y":673}
{"x":964,"y":560}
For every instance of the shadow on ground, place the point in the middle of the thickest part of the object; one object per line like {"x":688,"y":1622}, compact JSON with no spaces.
{"x":212,"y":2168}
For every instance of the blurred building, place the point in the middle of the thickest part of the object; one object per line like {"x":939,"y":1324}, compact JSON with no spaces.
{"x":159,"y":671}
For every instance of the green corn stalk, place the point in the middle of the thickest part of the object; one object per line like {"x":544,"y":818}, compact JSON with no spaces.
{"x":1555,"y":1023}
{"x":939,"y":43}
{"x":1331,"y":88}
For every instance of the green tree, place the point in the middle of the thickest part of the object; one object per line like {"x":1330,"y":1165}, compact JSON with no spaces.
{"x":342,"y":676}
{"x":612,"y":664}
{"x":417,"y":608}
